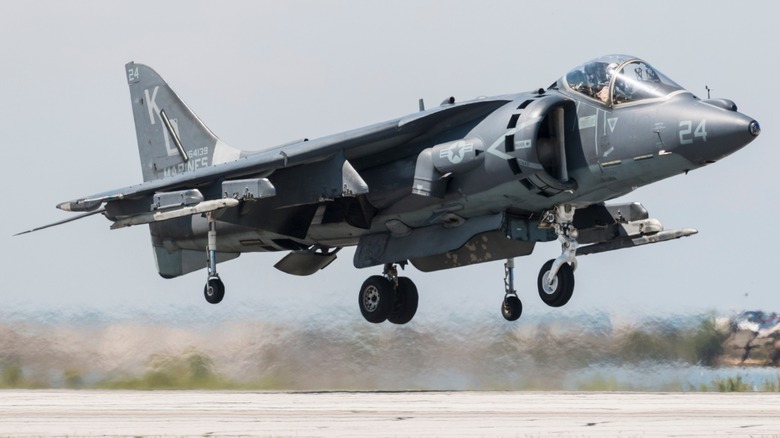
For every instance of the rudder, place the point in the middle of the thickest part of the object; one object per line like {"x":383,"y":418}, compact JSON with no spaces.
{"x":171,"y":138}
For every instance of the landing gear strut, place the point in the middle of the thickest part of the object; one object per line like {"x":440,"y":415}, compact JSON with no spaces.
{"x":556,"y":278}
{"x":388,"y":297}
{"x":512,"y":307}
{"x":214,"y":290}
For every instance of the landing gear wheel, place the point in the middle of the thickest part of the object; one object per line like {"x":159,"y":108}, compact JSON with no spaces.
{"x":405,"y":305}
{"x":376,"y":299}
{"x":214,"y":290}
{"x":511,"y":308}
{"x":560,"y":291}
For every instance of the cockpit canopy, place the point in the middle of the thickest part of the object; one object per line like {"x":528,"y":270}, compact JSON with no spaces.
{"x":619,"y":79}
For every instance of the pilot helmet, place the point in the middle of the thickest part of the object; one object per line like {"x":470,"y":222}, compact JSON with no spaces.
{"x":577,"y":80}
{"x":597,"y":72}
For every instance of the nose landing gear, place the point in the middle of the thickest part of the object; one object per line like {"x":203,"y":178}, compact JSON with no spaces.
{"x":555,"y":289}
{"x":556,"y":278}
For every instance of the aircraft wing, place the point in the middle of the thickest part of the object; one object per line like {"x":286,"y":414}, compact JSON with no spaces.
{"x":362,"y":143}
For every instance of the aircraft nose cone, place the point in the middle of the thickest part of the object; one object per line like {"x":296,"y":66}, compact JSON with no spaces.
{"x":709,"y":132}
{"x":754,"y":128}
{"x":731,"y":132}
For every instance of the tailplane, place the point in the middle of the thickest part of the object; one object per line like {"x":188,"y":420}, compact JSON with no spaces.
{"x":171,"y":138}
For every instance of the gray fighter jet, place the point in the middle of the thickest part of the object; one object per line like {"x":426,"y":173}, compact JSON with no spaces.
{"x":463,"y":183}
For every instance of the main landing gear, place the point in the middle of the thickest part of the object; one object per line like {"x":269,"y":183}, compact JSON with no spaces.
{"x":556,"y":278}
{"x":214,"y":290}
{"x":388,"y":297}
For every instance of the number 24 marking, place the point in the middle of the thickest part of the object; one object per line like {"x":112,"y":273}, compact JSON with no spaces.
{"x":132,"y":74}
{"x":686,"y":130}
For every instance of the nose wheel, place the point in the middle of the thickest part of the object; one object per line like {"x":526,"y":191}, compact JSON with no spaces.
{"x":556,"y":278}
{"x":555,"y":290}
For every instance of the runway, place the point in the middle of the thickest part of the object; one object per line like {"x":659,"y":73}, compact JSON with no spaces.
{"x":364,"y":414}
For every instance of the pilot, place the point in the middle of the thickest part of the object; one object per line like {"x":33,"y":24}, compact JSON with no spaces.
{"x":599,"y":74}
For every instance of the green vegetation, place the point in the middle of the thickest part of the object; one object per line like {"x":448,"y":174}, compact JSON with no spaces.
{"x":771,"y":385}
{"x":702,"y":345}
{"x":736,"y":384}
{"x":12,"y":376}
{"x":731,"y":384}
{"x":72,"y":379}
{"x":705,"y":344}
{"x":190,"y":370}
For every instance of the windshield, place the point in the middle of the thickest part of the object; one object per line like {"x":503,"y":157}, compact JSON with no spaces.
{"x":637,"y":80}
{"x":618,"y":79}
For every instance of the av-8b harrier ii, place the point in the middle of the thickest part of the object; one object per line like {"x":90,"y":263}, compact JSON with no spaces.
{"x":463,"y":183}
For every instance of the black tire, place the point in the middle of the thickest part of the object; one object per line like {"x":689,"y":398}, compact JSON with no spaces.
{"x":406,"y":299}
{"x":376,"y":299}
{"x":563,"y":287}
{"x":214,"y":290}
{"x":511,"y":308}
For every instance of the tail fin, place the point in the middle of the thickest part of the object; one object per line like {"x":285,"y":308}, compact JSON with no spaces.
{"x":171,"y":138}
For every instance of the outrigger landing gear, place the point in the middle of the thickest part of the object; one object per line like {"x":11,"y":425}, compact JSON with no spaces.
{"x":556,"y":278}
{"x":214,"y":290}
{"x":512,"y":307}
{"x":388,"y":297}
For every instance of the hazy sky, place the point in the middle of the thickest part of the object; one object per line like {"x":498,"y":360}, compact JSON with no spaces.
{"x":263,"y":73}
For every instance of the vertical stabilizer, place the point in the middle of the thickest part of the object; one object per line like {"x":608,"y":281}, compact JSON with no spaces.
{"x":171,"y":138}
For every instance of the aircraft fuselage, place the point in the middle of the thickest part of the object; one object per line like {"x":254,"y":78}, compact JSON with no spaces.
{"x":510,"y":160}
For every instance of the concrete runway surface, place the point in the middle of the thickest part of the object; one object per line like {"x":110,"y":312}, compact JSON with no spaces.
{"x":362,"y":414}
